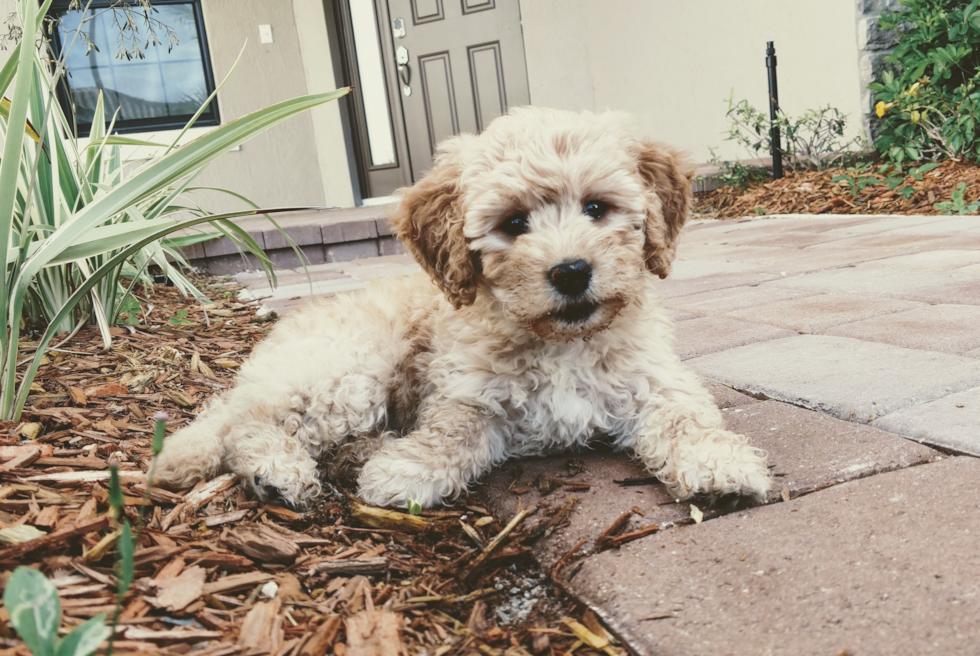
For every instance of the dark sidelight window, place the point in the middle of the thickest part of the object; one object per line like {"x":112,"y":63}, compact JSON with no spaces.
{"x":155,"y":86}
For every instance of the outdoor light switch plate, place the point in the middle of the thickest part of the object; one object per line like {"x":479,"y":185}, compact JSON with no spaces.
{"x":265,"y":33}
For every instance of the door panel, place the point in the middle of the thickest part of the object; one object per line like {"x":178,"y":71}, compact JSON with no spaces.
{"x":469,"y":6}
{"x":441,"y":118}
{"x":487,"y":75}
{"x":426,"y":11}
{"x":465,"y":67}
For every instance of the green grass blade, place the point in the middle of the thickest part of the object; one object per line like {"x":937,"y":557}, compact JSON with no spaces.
{"x":184,"y":161}
{"x":9,"y":69}
{"x":10,"y":170}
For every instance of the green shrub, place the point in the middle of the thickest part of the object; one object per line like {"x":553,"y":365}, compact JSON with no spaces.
{"x":929,"y":104}
{"x":958,"y":204}
{"x":814,"y":140}
{"x":74,"y":220}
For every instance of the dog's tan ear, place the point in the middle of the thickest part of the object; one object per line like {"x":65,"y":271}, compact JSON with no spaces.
{"x":667,"y":175}
{"x":429,"y":220}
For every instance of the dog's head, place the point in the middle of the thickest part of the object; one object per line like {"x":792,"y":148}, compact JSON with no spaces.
{"x":556,"y":215}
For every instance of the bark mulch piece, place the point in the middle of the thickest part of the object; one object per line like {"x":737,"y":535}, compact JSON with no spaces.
{"x":812,"y":192}
{"x":224,"y":574}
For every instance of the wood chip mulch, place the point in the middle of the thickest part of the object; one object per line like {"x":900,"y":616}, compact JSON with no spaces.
{"x":222,"y":574}
{"x":813,"y":192}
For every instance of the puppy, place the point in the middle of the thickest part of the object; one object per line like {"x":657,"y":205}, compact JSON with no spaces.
{"x":535,"y":329}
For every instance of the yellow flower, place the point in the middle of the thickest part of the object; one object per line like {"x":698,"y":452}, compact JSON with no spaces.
{"x":913,"y":89}
{"x":883,"y":107}
{"x":915,"y":116}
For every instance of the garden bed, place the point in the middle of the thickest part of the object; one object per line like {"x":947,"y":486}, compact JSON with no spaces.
{"x":847,"y":191}
{"x":219,"y":572}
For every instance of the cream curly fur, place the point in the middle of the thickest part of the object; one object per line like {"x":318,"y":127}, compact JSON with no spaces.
{"x":434,"y":389}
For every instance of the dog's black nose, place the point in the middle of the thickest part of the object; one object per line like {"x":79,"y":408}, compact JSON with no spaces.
{"x":571,"y":278}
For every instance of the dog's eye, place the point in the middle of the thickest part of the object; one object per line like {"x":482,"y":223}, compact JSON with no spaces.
{"x":595,"y":209}
{"x":515,"y":225}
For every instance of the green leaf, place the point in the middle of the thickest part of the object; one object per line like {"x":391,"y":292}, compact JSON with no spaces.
{"x":85,"y":639}
{"x":925,"y":168}
{"x":183,"y":161}
{"x":13,"y":150}
{"x":34,"y":608}
{"x":414,"y":507}
{"x":126,"y":548}
{"x":115,"y":490}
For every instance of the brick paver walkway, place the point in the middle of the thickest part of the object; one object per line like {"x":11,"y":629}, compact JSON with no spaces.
{"x":858,"y":339}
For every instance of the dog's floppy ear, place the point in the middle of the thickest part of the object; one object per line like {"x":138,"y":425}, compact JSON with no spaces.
{"x":667,"y":175}
{"x":429,"y":220}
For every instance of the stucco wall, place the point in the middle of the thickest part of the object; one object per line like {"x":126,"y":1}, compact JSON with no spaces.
{"x":673,"y":64}
{"x":279,"y":167}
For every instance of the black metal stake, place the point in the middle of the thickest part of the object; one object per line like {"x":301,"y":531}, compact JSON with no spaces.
{"x":777,"y":150}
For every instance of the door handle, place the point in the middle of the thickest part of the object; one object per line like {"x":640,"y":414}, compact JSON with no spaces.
{"x":404,"y":71}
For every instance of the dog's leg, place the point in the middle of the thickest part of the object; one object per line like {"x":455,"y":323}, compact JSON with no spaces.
{"x":195,"y":452}
{"x":681,"y":438}
{"x":236,"y":433}
{"x":452,"y":447}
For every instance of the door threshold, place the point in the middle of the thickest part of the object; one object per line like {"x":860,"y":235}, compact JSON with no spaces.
{"x":379,"y":200}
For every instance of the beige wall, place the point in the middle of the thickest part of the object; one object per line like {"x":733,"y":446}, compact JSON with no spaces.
{"x":281,"y":166}
{"x":673,"y":63}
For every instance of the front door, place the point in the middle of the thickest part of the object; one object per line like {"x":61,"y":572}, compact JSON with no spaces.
{"x":459,"y":63}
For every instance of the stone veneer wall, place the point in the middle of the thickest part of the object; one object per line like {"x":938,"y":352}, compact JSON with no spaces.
{"x":873,"y":45}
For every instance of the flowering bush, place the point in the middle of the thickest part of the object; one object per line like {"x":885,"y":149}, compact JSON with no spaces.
{"x":929,"y":105}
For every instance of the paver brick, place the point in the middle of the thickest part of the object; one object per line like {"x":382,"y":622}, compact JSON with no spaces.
{"x":225,"y":246}
{"x":684,"y":269}
{"x":890,"y":225}
{"x":945,"y":226}
{"x":705,"y":335}
{"x":734,"y":298}
{"x":390,"y":246}
{"x":952,"y":422}
{"x":384,"y":227}
{"x":355,"y":250}
{"x":229,"y":265}
{"x":881,"y":565}
{"x":846,"y":378}
{"x":964,"y":293}
{"x":805,"y":260}
{"x":816,"y":313}
{"x":944,"y":260}
{"x":789,"y":239}
{"x":945,"y":328}
{"x":726,"y":397}
{"x":517,"y":482}
{"x":886,"y":243}
{"x":679,"y":315}
{"x":809,"y":450}
{"x":286,"y":258}
{"x":302,"y":235}
{"x":671,"y":288}
{"x":870,"y":281}
{"x":344,"y":231}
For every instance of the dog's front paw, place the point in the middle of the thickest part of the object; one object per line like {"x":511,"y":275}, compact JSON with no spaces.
{"x":393,"y":480}
{"x":290,"y":482}
{"x":722,"y":466}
